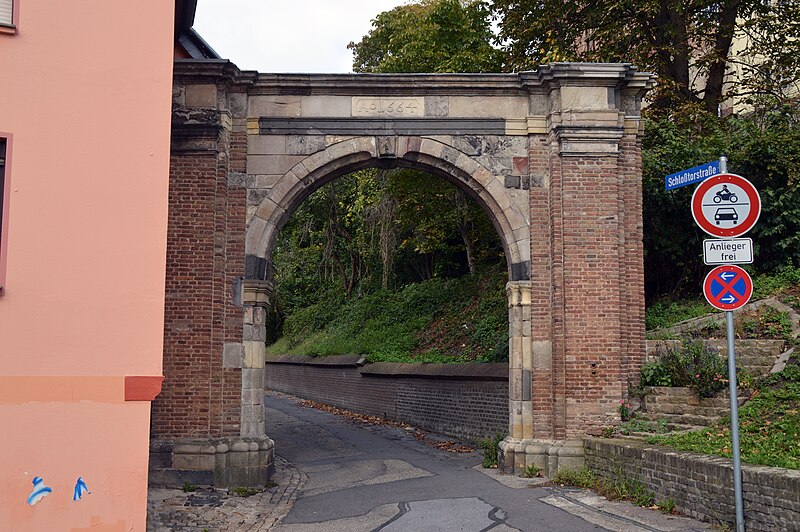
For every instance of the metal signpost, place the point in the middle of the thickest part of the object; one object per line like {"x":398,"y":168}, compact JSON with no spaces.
{"x":725,"y":206}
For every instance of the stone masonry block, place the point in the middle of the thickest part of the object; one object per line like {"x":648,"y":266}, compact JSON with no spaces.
{"x":237,"y":104}
{"x":466,"y":163}
{"x":542,"y":355}
{"x":279,"y":193}
{"x":263,"y":181}
{"x":272,"y":164}
{"x":204,"y":95}
{"x":431,"y":147}
{"x":266,"y":145}
{"x":316,"y":161}
{"x":585,"y":98}
{"x":255,"y":232}
{"x":256,"y":195}
{"x":282,"y":106}
{"x":512,"y":181}
{"x":232,"y":353}
{"x":304,"y":144}
{"x":253,"y":355}
{"x":437,"y":106}
{"x":269,"y":210}
{"x":326,"y":106}
{"x":488,"y":106}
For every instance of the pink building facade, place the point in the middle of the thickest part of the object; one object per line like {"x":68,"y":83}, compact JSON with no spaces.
{"x":84,"y":158}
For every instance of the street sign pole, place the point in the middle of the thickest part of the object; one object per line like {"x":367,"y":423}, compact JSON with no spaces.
{"x":737,"y":459}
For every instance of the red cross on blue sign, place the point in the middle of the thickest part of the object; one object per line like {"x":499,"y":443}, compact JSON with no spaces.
{"x":728,"y":287}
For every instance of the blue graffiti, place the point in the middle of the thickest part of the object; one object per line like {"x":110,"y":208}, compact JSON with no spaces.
{"x":40,"y":491}
{"x":80,"y":489}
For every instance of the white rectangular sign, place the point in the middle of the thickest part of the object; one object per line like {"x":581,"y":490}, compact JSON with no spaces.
{"x":728,"y":251}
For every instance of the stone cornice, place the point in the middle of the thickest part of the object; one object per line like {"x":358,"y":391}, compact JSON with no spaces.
{"x":621,"y":75}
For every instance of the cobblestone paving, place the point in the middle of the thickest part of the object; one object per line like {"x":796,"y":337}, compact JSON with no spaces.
{"x":220,"y":511}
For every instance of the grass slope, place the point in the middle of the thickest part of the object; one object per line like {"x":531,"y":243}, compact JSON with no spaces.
{"x":769,"y":426}
{"x":452,"y":320}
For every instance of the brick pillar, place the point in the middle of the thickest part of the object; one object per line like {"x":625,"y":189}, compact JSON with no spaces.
{"x":207,"y":425}
{"x":586,"y":289}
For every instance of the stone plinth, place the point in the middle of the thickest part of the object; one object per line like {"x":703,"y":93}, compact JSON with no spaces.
{"x":223,"y":462}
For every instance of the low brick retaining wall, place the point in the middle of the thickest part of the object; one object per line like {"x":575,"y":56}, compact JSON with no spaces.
{"x":464,"y":400}
{"x":702,"y":486}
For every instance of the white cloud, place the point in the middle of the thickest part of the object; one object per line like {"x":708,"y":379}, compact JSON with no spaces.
{"x":287,"y":35}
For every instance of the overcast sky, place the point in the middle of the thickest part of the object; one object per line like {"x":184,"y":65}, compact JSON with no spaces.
{"x":287,"y":35}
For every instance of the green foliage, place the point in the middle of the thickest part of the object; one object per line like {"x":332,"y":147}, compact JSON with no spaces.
{"x":655,"y":373}
{"x":769,"y":425}
{"x":244,"y":492}
{"x":625,"y":410}
{"x":766,"y":285}
{"x":622,"y":486}
{"x":640,"y":425}
{"x":764,"y":147}
{"x":429,"y":36}
{"x":666,"y":313}
{"x":532,"y":471}
{"x":436,"y":321}
{"x":188,"y":488}
{"x":491,"y":450}
{"x":617,"y":486}
{"x":581,"y":477}
{"x":667,"y":506}
{"x":686,"y":43}
{"x":692,"y":364}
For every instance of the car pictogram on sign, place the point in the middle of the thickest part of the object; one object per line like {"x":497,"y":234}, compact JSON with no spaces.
{"x":726,"y":213}
{"x":728,"y":287}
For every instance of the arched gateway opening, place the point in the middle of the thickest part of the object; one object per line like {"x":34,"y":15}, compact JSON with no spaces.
{"x":553,"y":158}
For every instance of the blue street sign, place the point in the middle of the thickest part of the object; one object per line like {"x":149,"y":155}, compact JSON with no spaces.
{"x":691,"y":176}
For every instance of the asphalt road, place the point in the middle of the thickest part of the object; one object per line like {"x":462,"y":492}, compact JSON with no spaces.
{"x":373,"y":477}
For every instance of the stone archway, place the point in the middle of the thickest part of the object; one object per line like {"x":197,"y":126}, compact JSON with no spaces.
{"x":552,"y":156}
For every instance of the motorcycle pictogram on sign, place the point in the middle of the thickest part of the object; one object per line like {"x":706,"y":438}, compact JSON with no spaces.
{"x":728,"y":287}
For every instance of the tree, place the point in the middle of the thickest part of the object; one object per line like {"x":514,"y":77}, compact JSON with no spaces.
{"x":687,"y":43}
{"x":430,"y":36}
{"x":764,"y":148}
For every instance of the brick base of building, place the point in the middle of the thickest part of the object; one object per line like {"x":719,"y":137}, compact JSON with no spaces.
{"x":223,"y":462}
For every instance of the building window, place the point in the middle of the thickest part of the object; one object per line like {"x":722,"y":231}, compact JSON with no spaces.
{"x":5,"y":163}
{"x":8,"y":12}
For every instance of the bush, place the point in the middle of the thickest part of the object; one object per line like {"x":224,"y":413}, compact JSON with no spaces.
{"x":693,"y":364}
{"x":491,"y":450}
{"x":655,"y":374}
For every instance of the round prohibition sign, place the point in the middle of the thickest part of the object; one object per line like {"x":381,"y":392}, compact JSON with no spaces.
{"x":728,"y":287}
{"x":726,"y":205}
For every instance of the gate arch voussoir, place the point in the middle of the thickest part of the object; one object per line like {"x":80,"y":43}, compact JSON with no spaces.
{"x":419,"y":153}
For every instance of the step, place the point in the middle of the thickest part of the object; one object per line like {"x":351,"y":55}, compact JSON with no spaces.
{"x":683,"y":419}
{"x":708,"y":411}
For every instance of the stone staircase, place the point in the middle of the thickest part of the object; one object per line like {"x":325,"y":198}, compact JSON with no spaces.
{"x":665,"y":409}
{"x":679,"y":409}
{"x":757,"y":357}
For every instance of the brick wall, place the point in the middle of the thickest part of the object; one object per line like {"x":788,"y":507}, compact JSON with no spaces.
{"x":205,"y":253}
{"x":182,"y":407}
{"x":471,"y":404}
{"x":702,"y":486}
